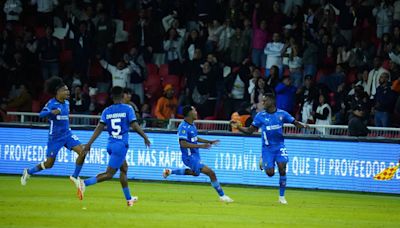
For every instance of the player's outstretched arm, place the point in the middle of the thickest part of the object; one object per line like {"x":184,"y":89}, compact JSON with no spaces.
{"x":299,"y":124}
{"x":183,"y":143}
{"x":139,"y":130}
{"x":246,"y":130}
{"x":212,"y":142}
{"x":97,"y":131}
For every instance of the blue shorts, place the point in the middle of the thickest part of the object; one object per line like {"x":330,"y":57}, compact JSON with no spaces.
{"x":117,"y":152}
{"x":55,"y":144}
{"x":194,"y":163}
{"x":270,"y":156}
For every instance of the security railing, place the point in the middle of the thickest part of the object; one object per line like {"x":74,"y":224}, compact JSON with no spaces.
{"x":204,"y":125}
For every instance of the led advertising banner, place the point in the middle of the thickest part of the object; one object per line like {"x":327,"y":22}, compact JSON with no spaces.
{"x":315,"y":164}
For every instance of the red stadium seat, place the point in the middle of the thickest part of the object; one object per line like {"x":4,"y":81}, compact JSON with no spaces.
{"x":163,"y":71}
{"x":95,"y":71}
{"x":152,"y":69}
{"x":40,"y":32}
{"x":66,"y":56}
{"x":101,"y":98}
{"x":36,"y":106}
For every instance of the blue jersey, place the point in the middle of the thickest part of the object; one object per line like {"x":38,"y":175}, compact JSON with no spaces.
{"x":118,"y":118}
{"x":188,"y":132}
{"x":59,"y":124}
{"x":271,"y":125}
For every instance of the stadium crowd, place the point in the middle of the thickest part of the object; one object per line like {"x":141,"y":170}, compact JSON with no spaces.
{"x":324,"y":60}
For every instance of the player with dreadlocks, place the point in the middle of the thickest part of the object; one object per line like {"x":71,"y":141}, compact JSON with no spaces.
{"x":57,"y":112}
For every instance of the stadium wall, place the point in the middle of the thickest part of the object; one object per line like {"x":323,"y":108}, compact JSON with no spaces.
{"x":314,"y":164}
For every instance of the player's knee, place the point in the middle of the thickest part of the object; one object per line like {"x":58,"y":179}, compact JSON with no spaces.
{"x":49,"y":164}
{"x":270,"y":172}
{"x":282,"y":172}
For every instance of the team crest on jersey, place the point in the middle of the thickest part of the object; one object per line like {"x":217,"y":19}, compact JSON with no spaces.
{"x":281,"y":118}
{"x":183,"y":131}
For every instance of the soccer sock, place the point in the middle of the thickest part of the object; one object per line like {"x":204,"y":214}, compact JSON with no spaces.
{"x":218,"y":188}
{"x":33,"y":170}
{"x":178,"y":171}
{"x":91,"y":181}
{"x":282,"y":185}
{"x":77,"y":170}
{"x":127,"y":193}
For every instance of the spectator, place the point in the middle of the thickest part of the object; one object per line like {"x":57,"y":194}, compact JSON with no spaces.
{"x":80,"y":101}
{"x":385,"y":100}
{"x":23,"y":101}
{"x":237,"y":47}
{"x":104,"y":35}
{"x":295,"y":65}
{"x":273,"y":79}
{"x":120,"y":74}
{"x":3,"y":112}
{"x":383,"y":12}
{"x":225,"y":37}
{"x":242,"y":116}
{"x":49,"y":51}
{"x":82,"y":48}
{"x":173,"y":51}
{"x":138,"y":71}
{"x":236,"y":85}
{"x":323,"y":114}
{"x":285,"y":95}
{"x":310,"y":58}
{"x":257,"y":94}
{"x":357,"y":125}
{"x":13,"y":9}
{"x":127,"y":99}
{"x":374,"y":75}
{"x":214,"y":32}
{"x":273,"y":50}
{"x":259,"y":39}
{"x":45,"y":12}
{"x":205,"y":91}
{"x":166,"y":105}
{"x":193,"y":41}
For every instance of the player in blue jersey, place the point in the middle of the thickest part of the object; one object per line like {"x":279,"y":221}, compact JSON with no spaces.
{"x":118,"y":118}
{"x":188,"y":141}
{"x":57,"y":112}
{"x":271,"y":122}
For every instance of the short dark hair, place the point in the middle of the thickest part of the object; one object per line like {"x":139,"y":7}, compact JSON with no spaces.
{"x":186,"y":109}
{"x":269,"y":95}
{"x":128,"y":91}
{"x":53,"y":84}
{"x":117,"y":92}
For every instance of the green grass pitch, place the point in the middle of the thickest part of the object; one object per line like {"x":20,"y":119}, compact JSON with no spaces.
{"x":52,"y":202}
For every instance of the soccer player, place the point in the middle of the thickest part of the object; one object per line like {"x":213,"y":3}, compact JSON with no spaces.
{"x":271,"y":122}
{"x":117,"y":117}
{"x":188,"y":141}
{"x":60,"y":135}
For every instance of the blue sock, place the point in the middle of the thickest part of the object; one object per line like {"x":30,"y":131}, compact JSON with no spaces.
{"x":127,"y":193}
{"x":178,"y":171}
{"x":218,"y":188}
{"x":90,"y":181}
{"x":77,"y":170}
{"x":33,"y":170}
{"x":282,"y":185}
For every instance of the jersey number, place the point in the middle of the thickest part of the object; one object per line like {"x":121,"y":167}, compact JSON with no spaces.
{"x":116,"y":129}
{"x":283,"y":152}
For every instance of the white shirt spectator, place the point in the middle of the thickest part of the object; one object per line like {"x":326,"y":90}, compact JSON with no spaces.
{"x":273,"y":50}
{"x":373,"y":80}
{"x":119,"y":77}
{"x":45,"y":6}
{"x":12,"y":8}
{"x":295,"y":63}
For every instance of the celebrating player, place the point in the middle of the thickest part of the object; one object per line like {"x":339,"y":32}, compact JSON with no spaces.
{"x":60,"y":135}
{"x":187,"y":133}
{"x":271,"y":122}
{"x":117,"y":117}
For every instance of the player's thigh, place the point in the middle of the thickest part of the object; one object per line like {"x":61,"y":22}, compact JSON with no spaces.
{"x":118,"y":153}
{"x":194,"y":164}
{"x":124,"y":167}
{"x":73,"y":143}
{"x":268,"y":159}
{"x":53,"y":146}
{"x":282,"y":155}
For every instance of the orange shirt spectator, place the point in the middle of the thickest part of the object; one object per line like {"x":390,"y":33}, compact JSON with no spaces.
{"x":166,"y":105}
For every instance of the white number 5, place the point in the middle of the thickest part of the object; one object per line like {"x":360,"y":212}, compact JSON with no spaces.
{"x":116,"y":128}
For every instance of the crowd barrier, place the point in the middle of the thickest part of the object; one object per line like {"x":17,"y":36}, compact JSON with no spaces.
{"x":333,"y":164}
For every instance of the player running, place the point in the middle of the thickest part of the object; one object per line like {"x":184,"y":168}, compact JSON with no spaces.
{"x":271,"y":122}
{"x":117,"y":117}
{"x":187,"y":134}
{"x":57,"y":112}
